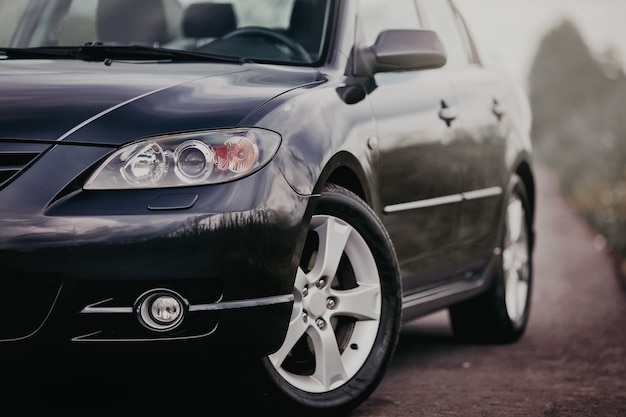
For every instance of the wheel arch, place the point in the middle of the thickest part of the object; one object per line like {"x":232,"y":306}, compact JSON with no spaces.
{"x":344,"y":169}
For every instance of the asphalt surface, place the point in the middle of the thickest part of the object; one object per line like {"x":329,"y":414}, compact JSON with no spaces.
{"x":570,"y":362}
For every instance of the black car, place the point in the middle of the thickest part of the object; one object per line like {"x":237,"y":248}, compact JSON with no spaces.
{"x":287,"y":180}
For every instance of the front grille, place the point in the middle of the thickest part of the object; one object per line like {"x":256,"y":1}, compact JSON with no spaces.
{"x":29,"y":298}
{"x":15,"y":157}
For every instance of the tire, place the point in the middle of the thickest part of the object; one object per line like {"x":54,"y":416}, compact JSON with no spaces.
{"x":347,"y":311}
{"x":500,"y":315}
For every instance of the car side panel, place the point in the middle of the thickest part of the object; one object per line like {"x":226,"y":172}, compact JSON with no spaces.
{"x":485,"y":127}
{"x":419,"y":174}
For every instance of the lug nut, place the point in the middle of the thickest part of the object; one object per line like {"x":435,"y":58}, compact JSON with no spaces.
{"x":320,"y":323}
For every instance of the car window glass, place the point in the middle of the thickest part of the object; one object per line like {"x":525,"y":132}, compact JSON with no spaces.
{"x":466,"y":38}
{"x":80,"y":24}
{"x":9,"y":19}
{"x":260,"y":13}
{"x":270,"y":13}
{"x":376,"y":16}
{"x":440,"y":17}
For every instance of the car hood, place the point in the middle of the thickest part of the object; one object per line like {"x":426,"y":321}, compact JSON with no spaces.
{"x":90,"y":102}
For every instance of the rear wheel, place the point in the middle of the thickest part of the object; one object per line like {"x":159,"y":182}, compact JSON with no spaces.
{"x":501,"y":314}
{"x":346,"y":316}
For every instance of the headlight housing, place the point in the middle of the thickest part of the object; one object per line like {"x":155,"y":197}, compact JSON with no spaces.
{"x":198,"y":158}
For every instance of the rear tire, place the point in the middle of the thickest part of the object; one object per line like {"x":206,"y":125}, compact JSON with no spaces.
{"x":500,"y":315}
{"x":346,"y":316}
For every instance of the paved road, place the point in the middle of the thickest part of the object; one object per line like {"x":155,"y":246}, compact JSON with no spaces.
{"x":571,"y":362}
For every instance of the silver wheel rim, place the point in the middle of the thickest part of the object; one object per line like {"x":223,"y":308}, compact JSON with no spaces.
{"x":336,"y":312}
{"x":515,"y":260}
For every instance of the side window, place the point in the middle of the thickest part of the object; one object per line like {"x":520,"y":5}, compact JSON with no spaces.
{"x":466,"y":38}
{"x":377,"y":15}
{"x":440,"y":17}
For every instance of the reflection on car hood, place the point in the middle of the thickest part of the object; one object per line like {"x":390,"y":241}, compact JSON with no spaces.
{"x":90,"y":102}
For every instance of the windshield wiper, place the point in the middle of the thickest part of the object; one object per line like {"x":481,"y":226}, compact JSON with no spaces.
{"x":96,"y":52}
{"x":31,"y":53}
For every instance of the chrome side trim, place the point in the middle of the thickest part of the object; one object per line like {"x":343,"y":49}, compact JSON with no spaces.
{"x":486,"y":192}
{"x":93,"y":337}
{"x":93,"y":308}
{"x":430,"y":202}
{"x":279,"y":299}
{"x":439,"y":201}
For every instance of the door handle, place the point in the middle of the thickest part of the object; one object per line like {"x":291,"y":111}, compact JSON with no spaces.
{"x":447,"y":113}
{"x":497,"y":109}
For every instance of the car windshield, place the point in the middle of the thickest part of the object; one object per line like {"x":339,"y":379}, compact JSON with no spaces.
{"x":276,"y":31}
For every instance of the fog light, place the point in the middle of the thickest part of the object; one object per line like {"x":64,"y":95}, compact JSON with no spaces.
{"x":160,"y":309}
{"x":166,"y":309}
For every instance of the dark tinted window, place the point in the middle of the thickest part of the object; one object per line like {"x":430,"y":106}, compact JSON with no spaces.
{"x":442,"y":18}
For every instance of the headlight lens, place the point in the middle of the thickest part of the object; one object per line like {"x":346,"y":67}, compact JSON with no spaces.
{"x":186,"y":159}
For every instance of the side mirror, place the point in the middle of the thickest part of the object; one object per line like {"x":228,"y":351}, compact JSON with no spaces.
{"x":401,"y":50}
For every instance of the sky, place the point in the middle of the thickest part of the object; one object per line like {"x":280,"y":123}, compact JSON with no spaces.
{"x":508,"y":32}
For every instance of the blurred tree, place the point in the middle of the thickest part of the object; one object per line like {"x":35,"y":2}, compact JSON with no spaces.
{"x":579,"y":126}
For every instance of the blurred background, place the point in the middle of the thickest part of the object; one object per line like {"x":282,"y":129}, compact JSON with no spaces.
{"x":570,"y":56}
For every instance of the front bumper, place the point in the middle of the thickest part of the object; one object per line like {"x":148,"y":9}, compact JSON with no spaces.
{"x":73,"y":264}
{"x":47,"y":311}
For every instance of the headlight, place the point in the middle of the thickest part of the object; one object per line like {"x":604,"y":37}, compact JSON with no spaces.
{"x":186,"y":159}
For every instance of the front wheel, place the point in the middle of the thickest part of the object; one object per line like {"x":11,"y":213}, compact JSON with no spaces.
{"x":501,"y":314}
{"x":346,"y":315}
